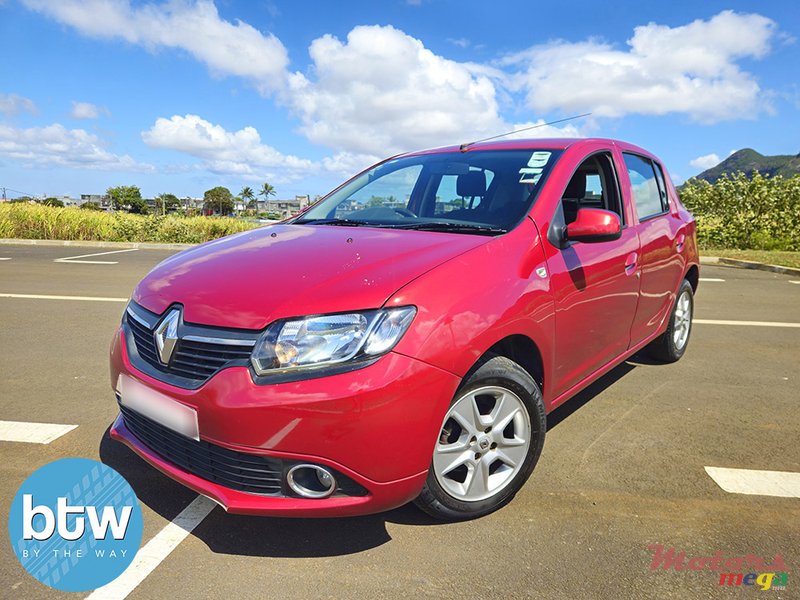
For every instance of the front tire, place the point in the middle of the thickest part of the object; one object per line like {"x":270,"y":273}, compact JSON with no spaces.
{"x":670,"y":346}
{"x":490,"y":441}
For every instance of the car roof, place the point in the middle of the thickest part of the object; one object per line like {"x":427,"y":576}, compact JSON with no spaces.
{"x":532,"y":144}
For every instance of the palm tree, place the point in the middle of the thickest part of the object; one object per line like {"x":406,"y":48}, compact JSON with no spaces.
{"x":266,"y":190}
{"x":247,"y":196}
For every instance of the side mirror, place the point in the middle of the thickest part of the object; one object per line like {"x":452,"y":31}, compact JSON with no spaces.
{"x":594,"y":225}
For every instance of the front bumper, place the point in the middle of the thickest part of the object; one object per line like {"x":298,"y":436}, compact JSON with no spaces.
{"x":377,"y":425}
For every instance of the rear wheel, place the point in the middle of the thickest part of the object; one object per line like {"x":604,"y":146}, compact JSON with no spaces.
{"x":490,"y":440}
{"x":670,"y":346}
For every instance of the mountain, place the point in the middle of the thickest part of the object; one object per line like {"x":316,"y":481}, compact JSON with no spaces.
{"x":748,"y":160}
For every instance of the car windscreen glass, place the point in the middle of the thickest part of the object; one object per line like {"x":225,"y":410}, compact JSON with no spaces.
{"x":479,"y":192}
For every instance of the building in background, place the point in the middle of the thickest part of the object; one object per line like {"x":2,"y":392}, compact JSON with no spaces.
{"x":284,"y":208}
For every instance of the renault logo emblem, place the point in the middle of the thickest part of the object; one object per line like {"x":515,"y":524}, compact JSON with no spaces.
{"x":166,"y":335}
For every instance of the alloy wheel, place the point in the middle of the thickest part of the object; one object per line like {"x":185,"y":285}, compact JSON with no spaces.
{"x":483,"y":443}
{"x":682,"y":321}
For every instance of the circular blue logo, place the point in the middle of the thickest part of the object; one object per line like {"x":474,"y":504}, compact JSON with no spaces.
{"x":75,"y":524}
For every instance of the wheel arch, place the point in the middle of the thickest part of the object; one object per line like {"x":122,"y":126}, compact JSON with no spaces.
{"x":693,"y":277}
{"x":522,"y":350}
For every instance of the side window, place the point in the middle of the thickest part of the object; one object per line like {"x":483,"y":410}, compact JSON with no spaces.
{"x":647,"y":193}
{"x":662,"y":188}
{"x":594,"y":185}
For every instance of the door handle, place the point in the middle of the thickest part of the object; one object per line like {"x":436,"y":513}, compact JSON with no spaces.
{"x":631,"y":262}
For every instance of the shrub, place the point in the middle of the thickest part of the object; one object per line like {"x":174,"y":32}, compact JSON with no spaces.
{"x":757,"y":213}
{"x":52,"y":223}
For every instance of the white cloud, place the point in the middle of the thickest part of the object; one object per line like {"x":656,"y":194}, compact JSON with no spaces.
{"x":11,"y":104}
{"x":689,"y":69}
{"x":705,"y":162}
{"x":382,"y":92}
{"x":461,"y":42}
{"x":57,"y":146}
{"x":86,"y":110}
{"x":238,"y":153}
{"x":226,"y":48}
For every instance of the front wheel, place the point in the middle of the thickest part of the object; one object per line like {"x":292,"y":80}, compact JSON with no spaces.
{"x":670,"y":346}
{"x":491,"y":438}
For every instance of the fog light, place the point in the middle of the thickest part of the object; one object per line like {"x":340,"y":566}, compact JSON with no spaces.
{"x":311,"y":481}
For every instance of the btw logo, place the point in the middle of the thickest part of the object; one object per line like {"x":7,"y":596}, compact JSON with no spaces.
{"x":60,"y":520}
{"x":75,"y":524}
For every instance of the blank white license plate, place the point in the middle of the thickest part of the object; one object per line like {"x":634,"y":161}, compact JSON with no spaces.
{"x":157,"y":406}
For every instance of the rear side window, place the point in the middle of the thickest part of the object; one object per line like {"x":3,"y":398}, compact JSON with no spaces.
{"x":647,"y":186}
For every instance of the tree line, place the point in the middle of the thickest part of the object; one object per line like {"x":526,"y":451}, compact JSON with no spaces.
{"x":218,"y":200}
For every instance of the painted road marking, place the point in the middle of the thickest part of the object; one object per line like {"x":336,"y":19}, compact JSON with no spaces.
{"x":758,"y":483}
{"x":32,"y":433}
{"x":155,"y":551}
{"x":9,"y":258}
{"x":74,"y":259}
{"x":711,"y":279}
{"x":45,"y":297}
{"x":794,"y":282}
{"x":745,"y":323}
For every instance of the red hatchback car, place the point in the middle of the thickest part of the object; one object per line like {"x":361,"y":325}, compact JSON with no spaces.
{"x":405,"y":337}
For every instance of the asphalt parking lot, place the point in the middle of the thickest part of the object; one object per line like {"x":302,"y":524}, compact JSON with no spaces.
{"x":623,"y":466}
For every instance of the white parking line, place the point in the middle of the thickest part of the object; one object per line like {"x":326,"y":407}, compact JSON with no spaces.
{"x":757,"y":483}
{"x":74,"y":259}
{"x":155,"y":551}
{"x":711,"y":279}
{"x":5,"y":258}
{"x":32,"y":433}
{"x":46,"y":297}
{"x":745,"y":323}
{"x":790,"y":281}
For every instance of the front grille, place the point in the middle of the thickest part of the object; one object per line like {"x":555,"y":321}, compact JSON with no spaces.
{"x":193,"y":361}
{"x":201,"y":360}
{"x":145,"y":343}
{"x":234,"y":470}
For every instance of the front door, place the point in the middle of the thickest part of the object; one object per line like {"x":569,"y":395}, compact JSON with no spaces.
{"x":595,"y":284}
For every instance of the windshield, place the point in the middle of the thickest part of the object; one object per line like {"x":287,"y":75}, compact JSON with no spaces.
{"x":471,"y":192}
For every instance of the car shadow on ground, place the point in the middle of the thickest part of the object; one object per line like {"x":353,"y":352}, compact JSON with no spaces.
{"x":581,"y":398}
{"x":291,"y":538}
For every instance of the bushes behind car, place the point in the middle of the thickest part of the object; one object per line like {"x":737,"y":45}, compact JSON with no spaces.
{"x":746,"y":213}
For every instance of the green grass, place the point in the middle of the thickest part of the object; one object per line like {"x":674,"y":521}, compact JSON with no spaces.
{"x":770,"y":257}
{"x":39,"y":222}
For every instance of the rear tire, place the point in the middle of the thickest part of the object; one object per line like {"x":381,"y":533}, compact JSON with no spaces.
{"x":490,"y":441}
{"x":670,"y":346}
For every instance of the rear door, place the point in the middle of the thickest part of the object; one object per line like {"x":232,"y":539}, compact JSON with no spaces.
{"x":661,"y":241}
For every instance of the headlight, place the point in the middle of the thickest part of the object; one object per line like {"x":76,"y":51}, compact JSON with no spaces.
{"x":315,"y":342}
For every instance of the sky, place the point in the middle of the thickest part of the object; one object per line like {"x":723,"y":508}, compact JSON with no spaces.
{"x":182,"y":96}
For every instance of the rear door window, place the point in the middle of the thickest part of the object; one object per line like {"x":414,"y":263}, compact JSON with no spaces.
{"x":647,"y":193}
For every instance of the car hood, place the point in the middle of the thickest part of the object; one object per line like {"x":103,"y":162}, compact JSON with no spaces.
{"x":250,"y":279}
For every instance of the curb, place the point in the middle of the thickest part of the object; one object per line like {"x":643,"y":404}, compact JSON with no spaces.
{"x":746,"y":264}
{"x":91,"y":244}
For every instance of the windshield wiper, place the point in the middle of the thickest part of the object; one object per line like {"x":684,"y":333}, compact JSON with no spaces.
{"x":342,"y":222}
{"x":457,"y":227}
